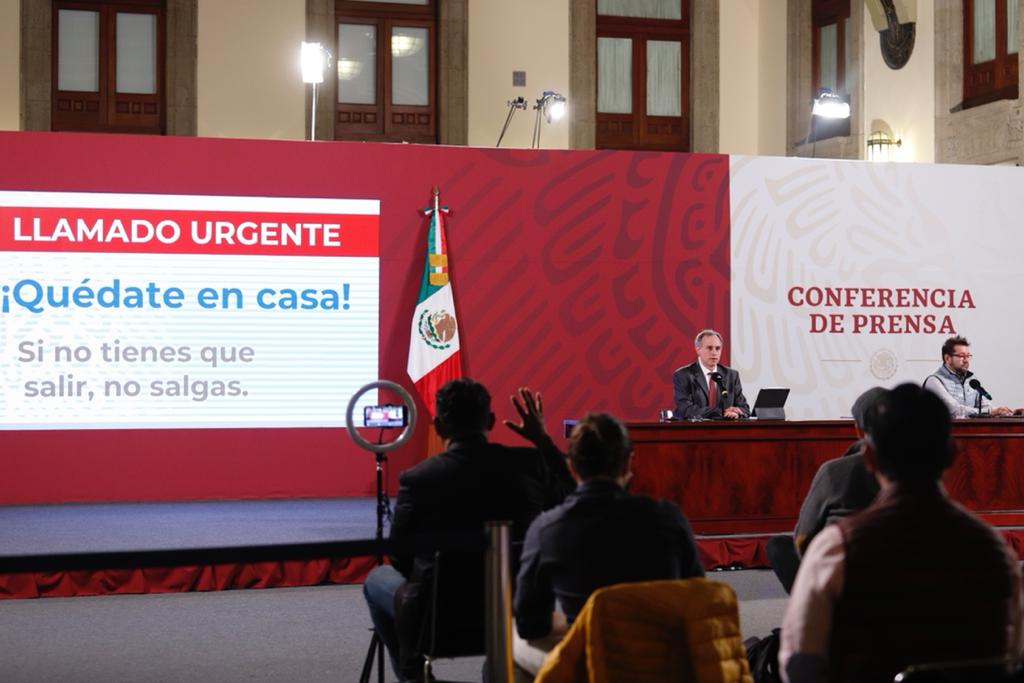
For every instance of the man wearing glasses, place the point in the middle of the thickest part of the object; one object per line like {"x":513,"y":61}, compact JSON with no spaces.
{"x":952,"y":383}
{"x":706,"y":389}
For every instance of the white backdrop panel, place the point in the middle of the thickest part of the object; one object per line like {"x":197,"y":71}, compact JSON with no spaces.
{"x":875,"y":228}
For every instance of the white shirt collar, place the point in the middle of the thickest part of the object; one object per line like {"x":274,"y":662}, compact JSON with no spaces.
{"x":705,"y":368}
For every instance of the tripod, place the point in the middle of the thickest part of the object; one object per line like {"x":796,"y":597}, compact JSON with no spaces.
{"x":383,"y":502}
{"x":383,"y":512}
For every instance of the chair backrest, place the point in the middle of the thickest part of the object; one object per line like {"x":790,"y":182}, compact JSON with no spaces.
{"x":453,"y":622}
{"x":675,"y":630}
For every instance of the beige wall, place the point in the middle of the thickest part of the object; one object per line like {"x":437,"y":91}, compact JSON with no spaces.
{"x":771,"y":78}
{"x":249,"y":81}
{"x":904,"y":98}
{"x":10,"y":45}
{"x":752,"y":90}
{"x":526,"y":35}
{"x":249,"y":84}
{"x":739,"y":92}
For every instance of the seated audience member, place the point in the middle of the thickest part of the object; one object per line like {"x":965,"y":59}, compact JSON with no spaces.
{"x":459,"y":490}
{"x":952,"y":383}
{"x":880,"y":590}
{"x":705,"y":388}
{"x":601,"y":535}
{"x":840,"y":487}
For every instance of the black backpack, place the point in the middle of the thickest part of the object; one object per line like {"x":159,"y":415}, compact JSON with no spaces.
{"x":764,"y":658}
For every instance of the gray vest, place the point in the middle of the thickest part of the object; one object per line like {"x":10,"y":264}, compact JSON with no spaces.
{"x":958,"y":388}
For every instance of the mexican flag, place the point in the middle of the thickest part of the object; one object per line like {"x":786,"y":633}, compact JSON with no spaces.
{"x":434,"y":340}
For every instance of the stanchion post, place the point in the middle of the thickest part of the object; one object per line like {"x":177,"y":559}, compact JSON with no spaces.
{"x":498,"y":584}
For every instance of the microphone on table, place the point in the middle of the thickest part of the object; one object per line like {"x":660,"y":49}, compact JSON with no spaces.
{"x":976,"y":385}
{"x":718,"y":379}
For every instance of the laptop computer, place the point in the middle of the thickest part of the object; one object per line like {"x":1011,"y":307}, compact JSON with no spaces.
{"x":770,"y":404}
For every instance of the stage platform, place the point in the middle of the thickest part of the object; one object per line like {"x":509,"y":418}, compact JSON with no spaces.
{"x":79,"y":528}
{"x":127,"y":527}
{"x":93,"y":528}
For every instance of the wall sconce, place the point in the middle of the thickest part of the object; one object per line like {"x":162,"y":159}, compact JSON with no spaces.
{"x":517,"y":103}
{"x":552,"y":106}
{"x":313,"y":59}
{"x":881,"y":146}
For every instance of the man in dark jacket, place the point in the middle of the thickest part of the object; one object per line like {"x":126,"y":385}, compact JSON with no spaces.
{"x":455,"y":493}
{"x":600,"y":536}
{"x":840,"y":487}
{"x":875,"y":593}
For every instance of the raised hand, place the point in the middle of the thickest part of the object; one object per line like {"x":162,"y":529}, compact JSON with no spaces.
{"x":530,"y":408}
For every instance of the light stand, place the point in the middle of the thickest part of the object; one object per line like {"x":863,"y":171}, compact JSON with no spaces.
{"x":814,"y":136}
{"x":383,"y":502}
{"x":517,"y":103}
{"x":313,"y":59}
{"x":552,"y":105}
{"x":312,"y":114}
{"x":376,"y":646}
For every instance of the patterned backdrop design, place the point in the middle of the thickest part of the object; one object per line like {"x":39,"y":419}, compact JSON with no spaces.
{"x":581,"y":274}
{"x":950,"y":231}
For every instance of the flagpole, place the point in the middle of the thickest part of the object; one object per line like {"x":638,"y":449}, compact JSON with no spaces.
{"x":437,"y":217}
{"x":435,"y":444}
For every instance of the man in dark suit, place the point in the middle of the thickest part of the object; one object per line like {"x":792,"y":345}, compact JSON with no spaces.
{"x":456,"y":492}
{"x":706,"y":389}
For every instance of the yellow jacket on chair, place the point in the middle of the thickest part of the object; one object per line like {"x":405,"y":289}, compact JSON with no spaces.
{"x":655,"y":631}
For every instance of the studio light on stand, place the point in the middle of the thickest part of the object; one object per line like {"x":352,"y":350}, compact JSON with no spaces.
{"x":827,"y":105}
{"x":551,"y":106}
{"x":314,"y":60}
{"x":517,"y":103}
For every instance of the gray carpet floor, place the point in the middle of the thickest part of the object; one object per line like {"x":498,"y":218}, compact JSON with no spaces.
{"x":282,"y":634}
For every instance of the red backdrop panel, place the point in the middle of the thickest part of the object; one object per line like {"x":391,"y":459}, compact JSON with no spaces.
{"x":581,"y":274}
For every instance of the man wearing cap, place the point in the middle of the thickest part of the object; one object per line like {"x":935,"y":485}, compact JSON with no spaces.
{"x":875,"y":592}
{"x":840,"y":487}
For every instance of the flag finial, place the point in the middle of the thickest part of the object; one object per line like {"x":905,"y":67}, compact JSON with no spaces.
{"x":434,"y":355}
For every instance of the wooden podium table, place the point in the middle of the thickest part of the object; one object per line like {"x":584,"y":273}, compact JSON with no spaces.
{"x":750,"y":477}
